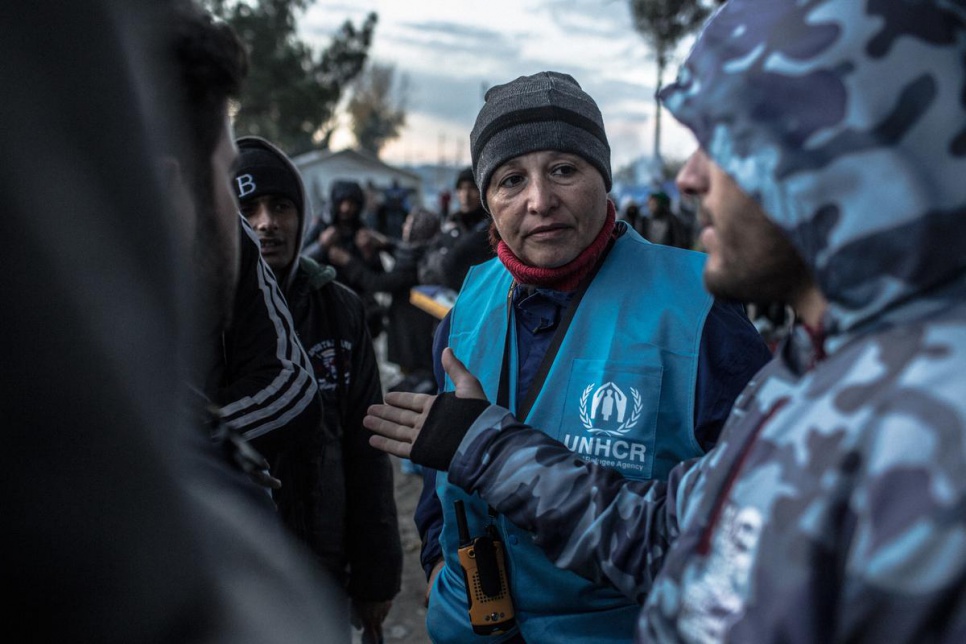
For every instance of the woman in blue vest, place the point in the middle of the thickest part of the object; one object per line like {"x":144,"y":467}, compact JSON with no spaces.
{"x":636,"y":379}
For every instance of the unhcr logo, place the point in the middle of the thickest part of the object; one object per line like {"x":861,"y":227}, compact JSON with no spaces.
{"x":605,"y":411}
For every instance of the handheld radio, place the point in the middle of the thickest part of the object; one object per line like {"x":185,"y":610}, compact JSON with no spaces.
{"x":484,"y":572}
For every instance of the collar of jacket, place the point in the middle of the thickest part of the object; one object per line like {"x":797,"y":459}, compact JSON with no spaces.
{"x":318,"y":275}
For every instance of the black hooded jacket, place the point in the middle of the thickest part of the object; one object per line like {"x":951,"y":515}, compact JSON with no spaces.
{"x":337,"y":491}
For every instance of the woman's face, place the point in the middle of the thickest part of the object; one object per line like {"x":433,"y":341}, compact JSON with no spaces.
{"x":548,"y":206}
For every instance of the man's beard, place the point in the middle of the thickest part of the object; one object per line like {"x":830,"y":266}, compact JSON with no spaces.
{"x":774,"y":272}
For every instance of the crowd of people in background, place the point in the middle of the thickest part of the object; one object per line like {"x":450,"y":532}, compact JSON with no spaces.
{"x":732,"y":412}
{"x":353,"y":231}
{"x":383,"y":267}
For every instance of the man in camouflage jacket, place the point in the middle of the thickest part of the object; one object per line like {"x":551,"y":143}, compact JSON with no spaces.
{"x":833,"y":169}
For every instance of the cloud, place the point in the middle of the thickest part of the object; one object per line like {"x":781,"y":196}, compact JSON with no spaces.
{"x":452,"y":52}
{"x":453,"y":98}
{"x":473,"y":34}
{"x":605,"y":19}
{"x":447,"y":38}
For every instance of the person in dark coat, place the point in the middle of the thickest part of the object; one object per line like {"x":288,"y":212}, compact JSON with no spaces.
{"x":409,"y":332}
{"x":463,"y":241}
{"x":662,"y":226}
{"x":337,"y":491}
{"x":348,"y":231}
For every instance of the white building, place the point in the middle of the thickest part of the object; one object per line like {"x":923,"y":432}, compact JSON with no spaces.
{"x":320,"y":168}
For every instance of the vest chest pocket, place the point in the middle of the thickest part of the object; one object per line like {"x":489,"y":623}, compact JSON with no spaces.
{"x":608,"y":415}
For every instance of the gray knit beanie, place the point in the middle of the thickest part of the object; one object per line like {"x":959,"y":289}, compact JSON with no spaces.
{"x":546,"y":111}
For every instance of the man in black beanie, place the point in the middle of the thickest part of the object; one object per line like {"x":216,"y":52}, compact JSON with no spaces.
{"x":463,"y":241}
{"x":276,"y":190}
{"x":470,"y":209}
{"x":635,"y":379}
{"x":337,"y":491}
{"x":662,"y":226}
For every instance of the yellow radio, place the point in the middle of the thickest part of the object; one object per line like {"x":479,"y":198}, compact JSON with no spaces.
{"x":484,"y":572}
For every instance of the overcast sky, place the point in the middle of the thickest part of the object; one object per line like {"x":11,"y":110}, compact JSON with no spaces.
{"x":451,"y":50}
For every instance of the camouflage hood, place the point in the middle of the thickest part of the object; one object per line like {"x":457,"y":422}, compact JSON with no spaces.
{"x":851,"y":133}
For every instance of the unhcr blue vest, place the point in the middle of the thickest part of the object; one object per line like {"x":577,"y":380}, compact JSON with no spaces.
{"x":620,"y":393}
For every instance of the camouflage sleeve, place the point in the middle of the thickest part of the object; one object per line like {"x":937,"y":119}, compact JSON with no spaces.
{"x":587,"y":518}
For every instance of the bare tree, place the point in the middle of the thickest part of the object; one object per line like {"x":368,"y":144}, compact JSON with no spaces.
{"x":378,"y":107}
{"x":663,"y":24}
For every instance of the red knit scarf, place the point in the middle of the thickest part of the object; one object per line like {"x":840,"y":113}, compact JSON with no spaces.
{"x":561,"y":278}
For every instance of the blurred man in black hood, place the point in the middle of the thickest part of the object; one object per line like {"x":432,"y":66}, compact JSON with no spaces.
{"x":122,"y":521}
